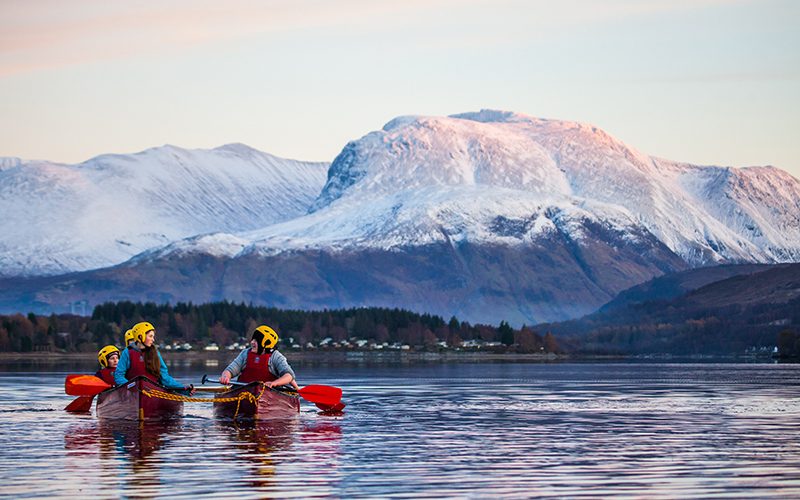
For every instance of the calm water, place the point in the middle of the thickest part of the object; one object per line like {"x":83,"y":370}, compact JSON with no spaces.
{"x":450,"y":430}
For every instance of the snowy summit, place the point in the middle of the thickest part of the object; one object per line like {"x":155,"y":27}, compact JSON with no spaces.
{"x":421,"y":180}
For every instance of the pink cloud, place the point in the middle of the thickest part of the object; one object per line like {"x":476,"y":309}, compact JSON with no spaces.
{"x":50,"y":34}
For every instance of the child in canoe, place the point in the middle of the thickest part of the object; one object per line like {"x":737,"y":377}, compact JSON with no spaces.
{"x":108,"y":357}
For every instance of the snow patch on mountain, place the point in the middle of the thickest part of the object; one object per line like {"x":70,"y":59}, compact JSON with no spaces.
{"x":220,"y":245}
{"x":429,"y":216}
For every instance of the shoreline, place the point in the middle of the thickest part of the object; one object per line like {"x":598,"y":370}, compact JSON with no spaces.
{"x":358,"y":357}
{"x":344,"y":356}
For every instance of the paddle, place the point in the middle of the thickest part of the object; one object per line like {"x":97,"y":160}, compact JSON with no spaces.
{"x":212,"y":389}
{"x":331,"y":410}
{"x":326,"y":395}
{"x":84,"y":385}
{"x":321,"y":394}
{"x":81,"y":404}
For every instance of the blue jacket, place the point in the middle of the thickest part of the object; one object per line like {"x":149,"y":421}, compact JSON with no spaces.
{"x":125,"y":363}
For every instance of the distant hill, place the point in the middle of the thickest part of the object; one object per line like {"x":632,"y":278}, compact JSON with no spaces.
{"x":674,"y":285}
{"x":723,"y":310}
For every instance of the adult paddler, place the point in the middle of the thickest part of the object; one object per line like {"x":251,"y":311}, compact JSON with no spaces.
{"x":261,"y":362}
{"x":143,"y":359}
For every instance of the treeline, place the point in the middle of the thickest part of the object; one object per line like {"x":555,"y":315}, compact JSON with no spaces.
{"x":20,"y":333}
{"x":225,"y":322}
{"x":788,"y":344}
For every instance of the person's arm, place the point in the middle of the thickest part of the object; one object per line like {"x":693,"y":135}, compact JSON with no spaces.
{"x":235,"y":368}
{"x":279,"y":367}
{"x":122,"y":367}
{"x":285,"y":379}
{"x":166,"y":379}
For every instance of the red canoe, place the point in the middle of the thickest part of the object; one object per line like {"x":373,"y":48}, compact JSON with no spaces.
{"x":255,"y":401}
{"x":139,"y":399}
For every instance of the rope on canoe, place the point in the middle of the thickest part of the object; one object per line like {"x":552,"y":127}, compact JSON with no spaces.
{"x":156,"y":393}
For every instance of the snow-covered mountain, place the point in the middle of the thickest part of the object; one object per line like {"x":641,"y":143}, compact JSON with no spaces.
{"x":60,"y":218}
{"x":487,"y":216}
{"x":502,"y":178}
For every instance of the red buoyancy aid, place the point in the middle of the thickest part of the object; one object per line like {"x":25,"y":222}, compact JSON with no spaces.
{"x":107,"y":374}
{"x":138,"y":367}
{"x":256,"y":368}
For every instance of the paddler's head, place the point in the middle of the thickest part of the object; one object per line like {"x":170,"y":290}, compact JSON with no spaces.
{"x":108,"y":356}
{"x":129,"y":338}
{"x":263,"y":339}
{"x":144,"y":333}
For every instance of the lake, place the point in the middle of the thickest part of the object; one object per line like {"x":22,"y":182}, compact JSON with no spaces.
{"x":480,"y":430}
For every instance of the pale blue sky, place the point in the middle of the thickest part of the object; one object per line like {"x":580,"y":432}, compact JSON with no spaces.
{"x":702,"y":81}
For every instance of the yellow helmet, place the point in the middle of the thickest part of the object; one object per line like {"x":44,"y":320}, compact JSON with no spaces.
{"x":129,"y":337}
{"x":139,"y":330}
{"x":266,"y":337}
{"x":104,"y":353}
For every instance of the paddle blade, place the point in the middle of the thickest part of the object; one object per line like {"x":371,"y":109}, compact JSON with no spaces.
{"x":331,"y":410}
{"x":323,"y":394}
{"x":84,"y":385}
{"x":83,"y":404}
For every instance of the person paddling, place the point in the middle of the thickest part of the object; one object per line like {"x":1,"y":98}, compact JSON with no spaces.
{"x":261,"y":362}
{"x":108,"y":357}
{"x":143,"y":359}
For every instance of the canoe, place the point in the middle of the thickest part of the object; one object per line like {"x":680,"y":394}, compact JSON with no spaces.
{"x":255,"y":401}
{"x":139,"y":399}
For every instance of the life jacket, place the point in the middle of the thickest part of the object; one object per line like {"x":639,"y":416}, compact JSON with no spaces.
{"x":107,"y":374}
{"x":138,"y":367}
{"x":256,"y":368}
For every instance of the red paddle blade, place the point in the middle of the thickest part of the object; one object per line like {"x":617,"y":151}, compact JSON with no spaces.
{"x":83,"y":404}
{"x":331,"y":410}
{"x":84,"y":385}
{"x":323,"y":394}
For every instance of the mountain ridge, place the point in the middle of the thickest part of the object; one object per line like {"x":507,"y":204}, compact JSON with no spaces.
{"x":62,"y":218}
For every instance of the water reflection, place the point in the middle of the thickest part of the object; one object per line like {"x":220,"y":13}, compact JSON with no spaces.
{"x":267,"y":454}
{"x":261,"y":444}
{"x":137,"y":440}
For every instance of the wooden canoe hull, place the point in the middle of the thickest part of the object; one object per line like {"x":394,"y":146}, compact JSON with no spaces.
{"x":129,"y":402}
{"x":270,"y":404}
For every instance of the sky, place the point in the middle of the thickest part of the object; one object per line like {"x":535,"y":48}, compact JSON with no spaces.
{"x":710,"y":82}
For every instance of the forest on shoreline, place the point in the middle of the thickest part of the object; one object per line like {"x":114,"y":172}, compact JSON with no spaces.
{"x":224,"y":323}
